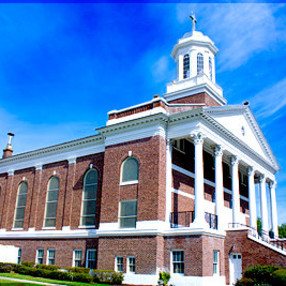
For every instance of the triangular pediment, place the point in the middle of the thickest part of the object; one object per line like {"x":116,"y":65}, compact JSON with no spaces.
{"x":240,"y":121}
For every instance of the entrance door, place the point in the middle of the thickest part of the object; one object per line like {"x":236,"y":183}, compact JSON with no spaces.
{"x":235,"y":267}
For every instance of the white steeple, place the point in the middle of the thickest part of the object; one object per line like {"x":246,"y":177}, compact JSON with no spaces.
{"x":195,"y":58}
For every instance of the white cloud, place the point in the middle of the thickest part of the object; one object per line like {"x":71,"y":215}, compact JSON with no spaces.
{"x":161,"y":69}
{"x":270,"y":101}
{"x":239,"y":30}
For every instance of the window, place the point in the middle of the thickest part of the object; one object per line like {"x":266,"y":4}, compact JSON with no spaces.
{"x":186,"y":66}
{"x":91,"y":258}
{"x":178,"y":261}
{"x":77,"y":257}
{"x":180,"y":145}
{"x":129,"y":170}
{"x":40,"y":256}
{"x":51,"y":257}
{"x":216,"y":262}
{"x":19,"y":255}
{"x":52,"y":202}
{"x":89,"y":195}
{"x":128,"y":214}
{"x":20,"y":205}
{"x":119,"y":263}
{"x":200,"y":63}
{"x":211,"y":68}
{"x":131,"y":264}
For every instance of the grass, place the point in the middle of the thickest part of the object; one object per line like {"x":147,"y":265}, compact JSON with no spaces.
{"x":40,"y":279}
{"x":7,"y":282}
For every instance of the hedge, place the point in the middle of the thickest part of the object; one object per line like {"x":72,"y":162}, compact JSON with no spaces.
{"x":28,"y":263}
{"x":48,"y":267}
{"x":78,"y":269}
{"x":279,"y":277}
{"x":82,"y":277}
{"x":107,"y":276}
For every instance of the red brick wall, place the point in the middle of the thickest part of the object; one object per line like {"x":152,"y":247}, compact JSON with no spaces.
{"x":251,"y":251}
{"x":150,"y":190}
{"x":143,"y":248}
{"x":197,"y":98}
{"x":63,"y":249}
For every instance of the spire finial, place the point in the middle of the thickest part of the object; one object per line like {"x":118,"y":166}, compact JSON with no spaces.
{"x":194,"y":21}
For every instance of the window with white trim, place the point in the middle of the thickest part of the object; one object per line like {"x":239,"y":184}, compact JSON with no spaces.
{"x":215,"y":262}
{"x":186,"y":66}
{"x":128,"y":214}
{"x":119,"y":263}
{"x":40,"y":256}
{"x":77,"y":256}
{"x":89,"y":196}
{"x":200,"y":63}
{"x":19,"y":255}
{"x":51,"y":202}
{"x":51,"y":257}
{"x":91,"y":258}
{"x":211,"y":68}
{"x":129,"y":170}
{"x":131,"y":267}
{"x":178,"y":261}
{"x":20,"y":205}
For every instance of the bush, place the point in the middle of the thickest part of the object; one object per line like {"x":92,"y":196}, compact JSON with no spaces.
{"x":60,"y":275}
{"x":12,"y":266}
{"x":245,"y":282}
{"x":107,"y":276}
{"x":164,"y":277}
{"x":78,"y":269}
{"x":24,"y":270}
{"x":82,"y":277}
{"x":28,"y":263}
{"x":48,"y":267}
{"x":279,"y":277}
{"x":260,"y":274}
{"x":6,"y":268}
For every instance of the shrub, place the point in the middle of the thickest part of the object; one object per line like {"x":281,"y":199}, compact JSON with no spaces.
{"x":279,"y":277}
{"x":48,"y":267}
{"x":245,"y":282}
{"x":37,"y":272}
{"x":28,"y":263}
{"x":11,"y":265}
{"x":164,"y":277}
{"x":60,"y":275}
{"x":107,"y":276}
{"x":24,"y":270}
{"x":82,"y":277}
{"x":260,"y":273}
{"x":6,"y":268}
{"x":78,"y":269}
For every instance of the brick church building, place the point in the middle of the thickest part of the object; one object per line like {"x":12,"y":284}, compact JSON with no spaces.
{"x":166,"y":184}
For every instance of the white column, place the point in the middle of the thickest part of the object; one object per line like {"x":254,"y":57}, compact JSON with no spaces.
{"x":252,"y":198}
{"x":235,"y":190}
{"x":168,"y":181}
{"x":181,"y":67}
{"x":263,"y":205}
{"x":272,"y":186}
{"x":219,"y":196}
{"x":199,"y":182}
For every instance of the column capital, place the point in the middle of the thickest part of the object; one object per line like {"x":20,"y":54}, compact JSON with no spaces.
{"x":72,"y":160}
{"x":272,"y":184}
{"x":250,"y":171}
{"x":198,"y":137}
{"x":11,"y":173}
{"x":234,"y":160}
{"x":218,"y":151}
{"x":262,"y":178}
{"x":38,"y":166}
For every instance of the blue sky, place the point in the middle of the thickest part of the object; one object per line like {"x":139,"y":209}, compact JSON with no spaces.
{"x":64,"y":66}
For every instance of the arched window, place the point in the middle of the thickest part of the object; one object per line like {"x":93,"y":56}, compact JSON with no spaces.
{"x":200,"y":63}
{"x":89,"y":196}
{"x":211,"y":68}
{"x":186,"y":66}
{"x":129,"y":170}
{"x":20,"y":205}
{"x":52,"y":202}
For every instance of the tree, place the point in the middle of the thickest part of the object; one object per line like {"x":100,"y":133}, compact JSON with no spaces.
{"x":282,"y":230}
{"x":259,"y":226}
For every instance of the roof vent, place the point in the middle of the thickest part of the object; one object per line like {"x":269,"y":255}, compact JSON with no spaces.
{"x":245,"y":103}
{"x":8,"y":151}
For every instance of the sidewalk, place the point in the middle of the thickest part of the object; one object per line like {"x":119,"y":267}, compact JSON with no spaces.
{"x":28,"y":281}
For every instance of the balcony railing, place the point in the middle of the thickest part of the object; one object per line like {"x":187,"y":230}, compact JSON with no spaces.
{"x":184,"y":219}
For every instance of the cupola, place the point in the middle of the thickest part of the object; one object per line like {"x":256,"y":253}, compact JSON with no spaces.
{"x":196,"y":80}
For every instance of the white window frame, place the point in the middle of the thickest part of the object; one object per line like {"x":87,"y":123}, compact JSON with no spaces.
{"x":87,"y":260}
{"x":172,"y":262}
{"x":121,"y":173}
{"x":84,"y":200}
{"x":130,"y":216}
{"x":216,"y":263}
{"x":129,"y":265}
{"x":19,"y":256}
{"x":37,"y":255}
{"x":74,"y":259}
{"x":22,"y":207}
{"x":48,"y":256}
{"x":116,"y":263}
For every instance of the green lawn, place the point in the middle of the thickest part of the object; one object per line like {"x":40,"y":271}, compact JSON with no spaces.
{"x":39,"y":279}
{"x":7,"y":282}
